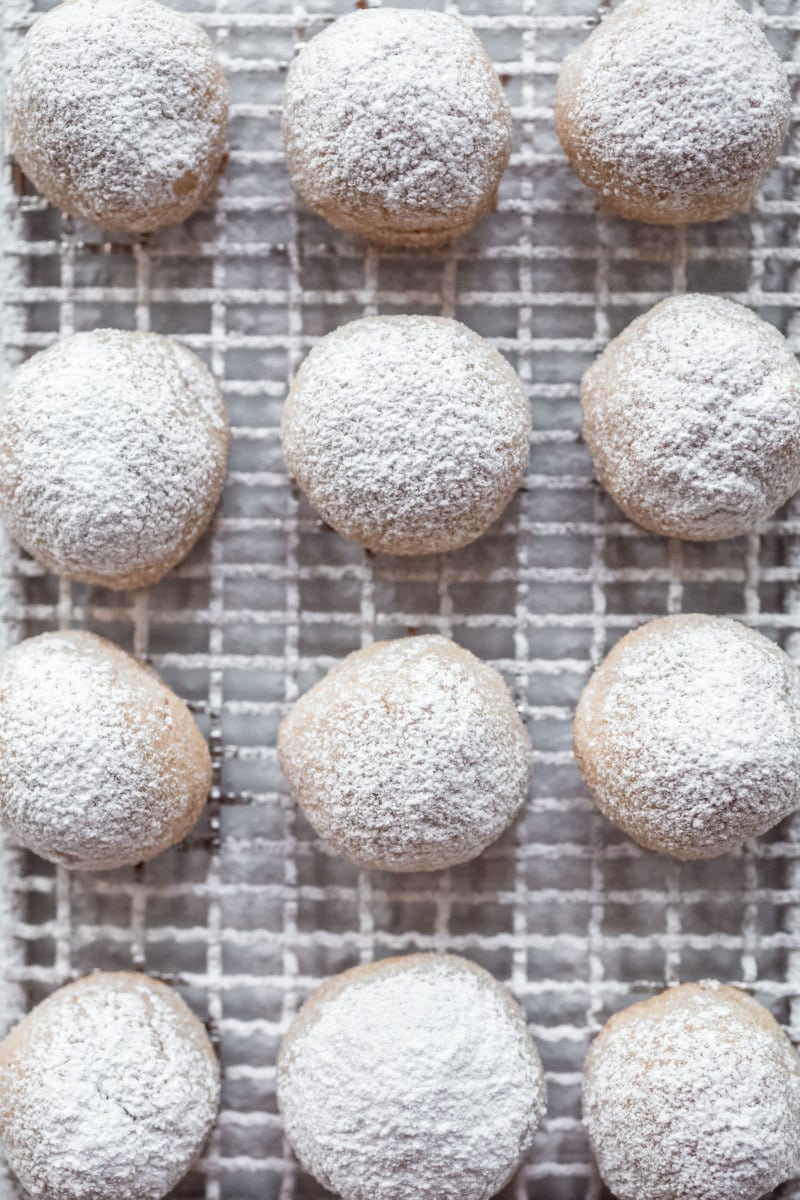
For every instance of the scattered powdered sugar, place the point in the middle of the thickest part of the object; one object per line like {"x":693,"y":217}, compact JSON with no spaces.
{"x":112,"y":450}
{"x":100,"y":764}
{"x":692,"y":416}
{"x":108,"y":1091}
{"x":118,"y":111}
{"x":693,"y":1095}
{"x":409,"y":434}
{"x":408,"y":756}
{"x":395,"y":120}
{"x":689,"y":735}
{"x":673,"y":110}
{"x":412,"y":1079}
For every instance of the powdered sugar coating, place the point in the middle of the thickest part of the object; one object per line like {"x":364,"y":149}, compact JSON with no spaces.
{"x":396,"y":127}
{"x":108,"y":1091}
{"x":118,"y":112}
{"x":688,"y":735}
{"x":407,"y":756}
{"x":101,"y":765}
{"x":409,"y":434}
{"x":113,"y":448}
{"x":674,"y":110}
{"x":692,"y":416}
{"x":693,"y":1095}
{"x":411,"y":1079}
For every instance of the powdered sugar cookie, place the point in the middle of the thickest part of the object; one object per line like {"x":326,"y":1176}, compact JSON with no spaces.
{"x":408,"y":434}
{"x":113,"y":449}
{"x":108,"y":1090}
{"x":396,"y":127}
{"x":411,"y":1079}
{"x":688,"y":735}
{"x":101,"y":765}
{"x":118,"y":112}
{"x":692,"y":417}
{"x":693,"y":1095}
{"x":674,"y":110}
{"x":407,"y":756}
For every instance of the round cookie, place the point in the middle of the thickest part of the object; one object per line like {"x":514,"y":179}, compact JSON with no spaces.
{"x":101,"y":765}
{"x":692,"y":417}
{"x":396,"y":127}
{"x":408,"y":756}
{"x":411,"y":1079}
{"x":408,"y":434}
{"x":108,"y":1091}
{"x":673,"y":111}
{"x":688,"y":735}
{"x":113,"y":448}
{"x":693,"y":1095}
{"x":118,"y":112}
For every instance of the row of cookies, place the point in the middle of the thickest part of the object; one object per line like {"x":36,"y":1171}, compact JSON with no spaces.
{"x":395,"y":124}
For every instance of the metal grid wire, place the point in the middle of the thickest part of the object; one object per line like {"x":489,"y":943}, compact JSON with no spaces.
{"x":252,"y":912}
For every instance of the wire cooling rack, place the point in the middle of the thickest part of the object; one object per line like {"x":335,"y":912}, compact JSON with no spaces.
{"x":252,"y":912}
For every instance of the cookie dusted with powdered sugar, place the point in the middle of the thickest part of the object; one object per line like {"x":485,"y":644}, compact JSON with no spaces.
{"x":411,"y":1079}
{"x":101,"y":765}
{"x":688,"y":735}
{"x":692,"y":418}
{"x":407,"y":756}
{"x":396,"y":127}
{"x":408,"y":434}
{"x":693,"y":1095}
{"x":108,"y":1091}
{"x":118,"y":112}
{"x":113,"y":448}
{"x":674,"y":110}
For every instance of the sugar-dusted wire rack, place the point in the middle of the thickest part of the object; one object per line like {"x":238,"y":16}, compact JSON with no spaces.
{"x":252,"y":911}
